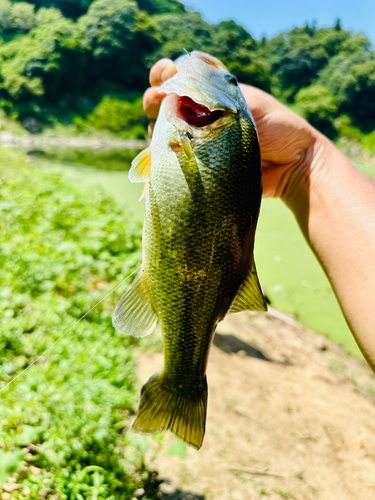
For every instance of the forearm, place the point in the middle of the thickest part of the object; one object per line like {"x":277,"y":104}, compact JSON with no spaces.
{"x":334,"y":204}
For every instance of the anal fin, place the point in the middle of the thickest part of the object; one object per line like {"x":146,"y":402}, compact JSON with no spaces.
{"x":249,"y":295}
{"x":134,"y":314}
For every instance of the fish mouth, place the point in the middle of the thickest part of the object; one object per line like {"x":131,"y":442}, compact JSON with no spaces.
{"x":195,"y":114}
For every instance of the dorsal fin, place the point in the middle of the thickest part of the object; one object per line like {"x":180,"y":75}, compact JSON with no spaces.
{"x":141,"y":167}
{"x":249,"y":295}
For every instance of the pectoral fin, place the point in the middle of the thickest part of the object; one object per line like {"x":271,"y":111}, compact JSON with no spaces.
{"x":134,"y":314}
{"x":141,"y":167}
{"x":186,"y":144}
{"x":249,"y":295}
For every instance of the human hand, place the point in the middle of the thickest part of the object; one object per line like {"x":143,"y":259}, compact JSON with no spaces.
{"x":286,"y":140}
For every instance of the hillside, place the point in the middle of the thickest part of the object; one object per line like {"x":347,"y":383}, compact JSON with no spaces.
{"x":83,"y":66}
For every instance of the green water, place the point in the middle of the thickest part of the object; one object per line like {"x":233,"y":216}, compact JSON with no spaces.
{"x":114,"y":179}
{"x":292,"y":277}
{"x":287,"y":268}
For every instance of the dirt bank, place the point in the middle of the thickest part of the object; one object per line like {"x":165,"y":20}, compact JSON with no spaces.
{"x":290,"y":415}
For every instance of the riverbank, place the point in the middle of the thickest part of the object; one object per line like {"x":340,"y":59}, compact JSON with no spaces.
{"x":80,"y":141}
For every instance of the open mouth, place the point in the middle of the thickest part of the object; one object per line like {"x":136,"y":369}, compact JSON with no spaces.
{"x":194,"y":114}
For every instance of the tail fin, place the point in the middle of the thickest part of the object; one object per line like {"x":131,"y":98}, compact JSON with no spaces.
{"x":160,"y":409}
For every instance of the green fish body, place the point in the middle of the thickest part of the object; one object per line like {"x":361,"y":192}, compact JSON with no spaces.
{"x":203,"y":196}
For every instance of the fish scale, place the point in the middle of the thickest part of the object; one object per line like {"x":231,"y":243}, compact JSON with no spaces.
{"x":203,"y":196}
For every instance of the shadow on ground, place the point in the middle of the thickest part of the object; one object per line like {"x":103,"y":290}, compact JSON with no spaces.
{"x":233,"y":345}
{"x":181,"y":495}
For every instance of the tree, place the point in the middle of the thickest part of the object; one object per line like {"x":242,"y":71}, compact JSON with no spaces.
{"x":319,"y":107}
{"x":70,"y":8}
{"x":161,"y":6}
{"x":118,"y":35}
{"x":178,"y":32}
{"x":357,"y":93}
{"x":298,"y":55}
{"x":6,"y":16}
{"x":19,"y":17}
{"x":228,"y":41}
{"x":352,"y":80}
{"x":28,"y":62}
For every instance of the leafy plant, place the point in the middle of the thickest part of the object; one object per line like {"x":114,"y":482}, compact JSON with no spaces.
{"x":63,"y":422}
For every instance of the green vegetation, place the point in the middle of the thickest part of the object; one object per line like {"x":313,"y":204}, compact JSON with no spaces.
{"x":85,"y":63}
{"x":63,"y":423}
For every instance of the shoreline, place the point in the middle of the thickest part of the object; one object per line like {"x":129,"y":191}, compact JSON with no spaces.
{"x":25,"y":141}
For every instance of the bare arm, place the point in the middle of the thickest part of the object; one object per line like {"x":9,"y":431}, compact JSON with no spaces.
{"x":334,"y":204}
{"x":332,"y":201}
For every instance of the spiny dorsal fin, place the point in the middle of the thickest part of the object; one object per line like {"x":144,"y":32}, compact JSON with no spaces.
{"x":141,"y":167}
{"x":249,"y":295}
{"x":134,"y":314}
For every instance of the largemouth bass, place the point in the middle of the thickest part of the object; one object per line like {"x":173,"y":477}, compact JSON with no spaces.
{"x":203,"y":192}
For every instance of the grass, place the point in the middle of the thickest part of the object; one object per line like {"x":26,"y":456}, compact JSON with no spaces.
{"x":63,"y":424}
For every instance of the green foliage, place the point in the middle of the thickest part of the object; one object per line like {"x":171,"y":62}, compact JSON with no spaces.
{"x":27,"y":62}
{"x":181,"y":31}
{"x":19,"y":17}
{"x":357,"y":92}
{"x":368,"y":142}
{"x":337,"y":68}
{"x":116,"y":115}
{"x":109,"y":26}
{"x":319,"y":107}
{"x":257,"y":72}
{"x":50,"y":64}
{"x":118,"y":36}
{"x":352,"y":79}
{"x":301,"y":53}
{"x":61,"y":251}
{"x":345,"y":128}
{"x":238,"y":50}
{"x":70,"y":8}
{"x":161,"y":6}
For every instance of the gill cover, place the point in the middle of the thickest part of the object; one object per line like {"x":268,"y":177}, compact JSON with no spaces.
{"x":205,"y":80}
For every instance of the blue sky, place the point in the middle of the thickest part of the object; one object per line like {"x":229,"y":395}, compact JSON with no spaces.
{"x":269,"y":17}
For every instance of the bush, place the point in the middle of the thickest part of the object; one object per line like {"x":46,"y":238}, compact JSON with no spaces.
{"x":116,"y":115}
{"x":319,"y":107}
{"x":368,"y":142}
{"x":347,"y":130}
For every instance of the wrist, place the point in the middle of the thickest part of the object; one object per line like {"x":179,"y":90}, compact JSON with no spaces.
{"x":304,"y":181}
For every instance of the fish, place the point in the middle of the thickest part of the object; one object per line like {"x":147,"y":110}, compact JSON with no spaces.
{"x":203,"y":189}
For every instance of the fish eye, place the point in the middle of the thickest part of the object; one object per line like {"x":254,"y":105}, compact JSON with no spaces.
{"x":232,"y":79}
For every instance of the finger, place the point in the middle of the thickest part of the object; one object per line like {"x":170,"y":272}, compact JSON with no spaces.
{"x":161,"y":71}
{"x":151,"y":128}
{"x":152,"y":101}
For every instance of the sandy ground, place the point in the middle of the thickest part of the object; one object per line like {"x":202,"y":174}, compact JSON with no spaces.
{"x":290,"y":415}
